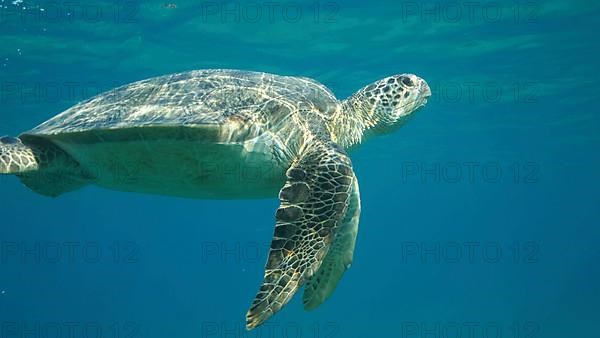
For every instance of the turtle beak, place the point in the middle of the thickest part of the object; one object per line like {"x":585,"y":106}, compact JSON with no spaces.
{"x":425,"y":90}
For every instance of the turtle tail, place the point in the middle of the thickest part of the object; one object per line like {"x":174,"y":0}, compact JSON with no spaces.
{"x":16,"y":157}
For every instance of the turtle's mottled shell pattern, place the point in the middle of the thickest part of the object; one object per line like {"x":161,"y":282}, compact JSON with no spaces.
{"x":195,"y":98}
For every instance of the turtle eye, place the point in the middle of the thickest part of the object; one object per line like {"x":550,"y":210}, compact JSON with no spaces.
{"x":407,"y":81}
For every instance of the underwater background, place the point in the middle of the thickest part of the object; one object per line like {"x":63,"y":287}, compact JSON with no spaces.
{"x":480,"y":216}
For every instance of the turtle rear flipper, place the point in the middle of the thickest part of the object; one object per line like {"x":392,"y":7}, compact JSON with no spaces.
{"x":16,"y":157}
{"x":314,"y":201}
{"x":41,"y":166}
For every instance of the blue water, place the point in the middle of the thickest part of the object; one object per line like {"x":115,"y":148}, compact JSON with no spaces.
{"x":509,"y":249}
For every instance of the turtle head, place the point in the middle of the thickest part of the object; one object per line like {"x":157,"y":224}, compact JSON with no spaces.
{"x":390,"y":100}
{"x":384,"y":105}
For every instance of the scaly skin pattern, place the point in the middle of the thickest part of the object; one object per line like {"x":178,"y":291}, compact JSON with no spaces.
{"x":339,"y":257}
{"x":313,"y":201}
{"x":378,"y":107}
{"x":15,"y":157}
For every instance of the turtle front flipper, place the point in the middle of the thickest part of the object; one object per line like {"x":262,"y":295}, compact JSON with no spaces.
{"x":338,"y":259}
{"x":313,"y":201}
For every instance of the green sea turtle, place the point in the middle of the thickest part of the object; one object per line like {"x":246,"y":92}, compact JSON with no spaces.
{"x":229,"y":134}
